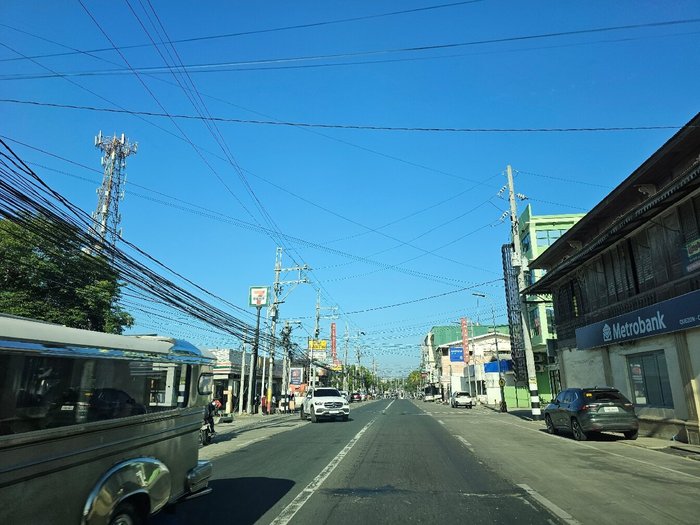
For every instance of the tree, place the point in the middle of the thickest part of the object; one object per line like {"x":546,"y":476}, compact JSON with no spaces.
{"x":46,"y":274}
{"x":414,"y":381}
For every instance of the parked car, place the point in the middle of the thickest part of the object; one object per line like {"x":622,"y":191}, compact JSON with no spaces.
{"x":355,"y":397}
{"x":583,"y":411}
{"x":461,"y":399}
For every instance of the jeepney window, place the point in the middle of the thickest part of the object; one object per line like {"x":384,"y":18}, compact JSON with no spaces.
{"x":206,"y":384}
{"x":41,"y":392}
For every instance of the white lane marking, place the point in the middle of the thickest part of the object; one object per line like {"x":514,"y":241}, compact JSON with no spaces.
{"x":290,"y":510}
{"x":441,"y":421}
{"x":551,"y":507}
{"x":388,"y":406}
{"x":464,"y":441}
{"x":539,"y":431}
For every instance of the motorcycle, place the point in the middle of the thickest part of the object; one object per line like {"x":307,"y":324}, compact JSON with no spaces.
{"x":205,"y":434}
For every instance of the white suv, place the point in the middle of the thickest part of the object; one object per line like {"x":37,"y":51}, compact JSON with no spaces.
{"x":324,"y":402}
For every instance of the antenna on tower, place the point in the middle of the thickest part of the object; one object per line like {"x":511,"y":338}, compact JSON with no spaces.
{"x":106,"y":217}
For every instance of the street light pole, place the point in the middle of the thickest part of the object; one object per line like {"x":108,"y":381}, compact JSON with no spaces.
{"x":501,"y":379}
{"x":503,"y":407}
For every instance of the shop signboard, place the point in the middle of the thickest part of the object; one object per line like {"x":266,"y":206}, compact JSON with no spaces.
{"x":672,"y":315}
{"x":456,"y":354}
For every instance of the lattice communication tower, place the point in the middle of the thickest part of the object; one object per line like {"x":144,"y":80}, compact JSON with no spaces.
{"x":107,"y":217}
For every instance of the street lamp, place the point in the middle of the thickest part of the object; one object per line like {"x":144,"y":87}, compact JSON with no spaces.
{"x":501,"y":380}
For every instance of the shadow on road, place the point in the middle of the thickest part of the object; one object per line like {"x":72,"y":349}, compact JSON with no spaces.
{"x":239,"y":500}
{"x":601,"y":437}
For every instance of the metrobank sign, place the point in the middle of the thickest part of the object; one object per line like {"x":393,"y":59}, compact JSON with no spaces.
{"x":679,"y":313}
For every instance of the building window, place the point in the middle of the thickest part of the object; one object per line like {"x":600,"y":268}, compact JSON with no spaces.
{"x":551,"y":324}
{"x":535,"y":327}
{"x":526,"y":243}
{"x":649,"y":378}
{"x":547,"y":237}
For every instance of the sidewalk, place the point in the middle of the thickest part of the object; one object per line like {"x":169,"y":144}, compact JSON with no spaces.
{"x":652,"y":443}
{"x":247,"y":421}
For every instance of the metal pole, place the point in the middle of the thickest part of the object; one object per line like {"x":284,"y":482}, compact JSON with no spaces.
{"x":241,"y":391}
{"x":254,"y":362}
{"x":503,"y":407}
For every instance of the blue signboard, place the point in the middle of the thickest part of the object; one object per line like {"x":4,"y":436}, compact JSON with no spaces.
{"x":679,"y":313}
{"x":456,"y":354}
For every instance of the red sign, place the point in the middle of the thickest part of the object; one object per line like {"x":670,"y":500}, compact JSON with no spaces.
{"x":465,"y":341}
{"x":333,"y":352}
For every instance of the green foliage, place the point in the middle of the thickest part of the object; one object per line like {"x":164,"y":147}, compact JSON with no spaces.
{"x":45,"y":274}
{"x":414,"y":381}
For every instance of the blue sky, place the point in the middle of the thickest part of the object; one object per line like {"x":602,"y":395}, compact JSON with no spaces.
{"x":382,"y":217}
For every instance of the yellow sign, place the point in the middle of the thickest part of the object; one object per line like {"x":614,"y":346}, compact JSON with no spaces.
{"x":318,"y":344}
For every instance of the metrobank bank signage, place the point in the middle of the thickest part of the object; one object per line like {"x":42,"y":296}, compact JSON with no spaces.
{"x":679,"y":313}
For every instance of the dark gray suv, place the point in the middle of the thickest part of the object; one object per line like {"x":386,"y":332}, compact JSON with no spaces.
{"x":583,"y":411}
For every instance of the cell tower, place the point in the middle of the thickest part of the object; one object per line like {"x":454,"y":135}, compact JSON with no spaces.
{"x":106,"y":217}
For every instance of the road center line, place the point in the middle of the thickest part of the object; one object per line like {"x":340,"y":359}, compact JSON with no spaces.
{"x":290,"y":510}
{"x":551,"y":507}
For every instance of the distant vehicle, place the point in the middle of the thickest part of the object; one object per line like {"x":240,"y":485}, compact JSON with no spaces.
{"x":583,"y":411}
{"x":345,"y":394}
{"x":461,"y":399}
{"x":108,"y":422}
{"x":355,"y":397}
{"x":324,"y":403}
{"x":431,"y":393}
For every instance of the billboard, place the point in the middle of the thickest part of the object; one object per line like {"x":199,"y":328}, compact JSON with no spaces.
{"x":318,"y":344}
{"x":296,"y":376}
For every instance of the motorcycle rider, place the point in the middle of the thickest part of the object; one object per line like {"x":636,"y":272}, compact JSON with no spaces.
{"x":209,"y":413}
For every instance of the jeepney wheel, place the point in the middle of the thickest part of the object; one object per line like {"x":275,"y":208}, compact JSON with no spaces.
{"x":126,"y":514}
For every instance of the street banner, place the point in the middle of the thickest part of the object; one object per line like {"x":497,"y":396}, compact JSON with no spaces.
{"x":295,"y":376}
{"x":258,"y":296}
{"x":334,"y":356}
{"x":465,"y":340}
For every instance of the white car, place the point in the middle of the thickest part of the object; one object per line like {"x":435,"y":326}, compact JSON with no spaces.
{"x":461,"y":399}
{"x":324,"y":402}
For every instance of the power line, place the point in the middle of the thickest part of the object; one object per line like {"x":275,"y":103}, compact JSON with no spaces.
{"x":413,"y":49}
{"x":347,"y":126}
{"x":247,"y":33}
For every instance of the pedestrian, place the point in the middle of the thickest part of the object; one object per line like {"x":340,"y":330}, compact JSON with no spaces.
{"x":273,"y":404}
{"x":292,"y":403}
{"x":257,"y":403}
{"x":264,"y":405}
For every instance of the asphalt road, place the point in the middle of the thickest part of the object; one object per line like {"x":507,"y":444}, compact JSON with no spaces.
{"x":410,"y":462}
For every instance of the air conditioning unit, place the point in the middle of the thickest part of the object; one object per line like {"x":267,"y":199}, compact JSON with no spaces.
{"x":540,"y":357}
{"x":540,"y":368}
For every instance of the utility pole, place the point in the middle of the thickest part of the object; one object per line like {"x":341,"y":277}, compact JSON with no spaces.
{"x":273,"y":310}
{"x":106,"y":217}
{"x":345,"y":367}
{"x":241,"y":390}
{"x":520,"y":267}
{"x":254,"y":362}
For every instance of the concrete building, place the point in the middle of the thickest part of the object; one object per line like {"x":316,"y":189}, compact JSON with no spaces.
{"x":537,"y":233}
{"x":625,"y":283}
{"x":443,"y":347}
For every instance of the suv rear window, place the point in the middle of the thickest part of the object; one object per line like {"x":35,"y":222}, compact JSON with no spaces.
{"x":604,"y":396}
